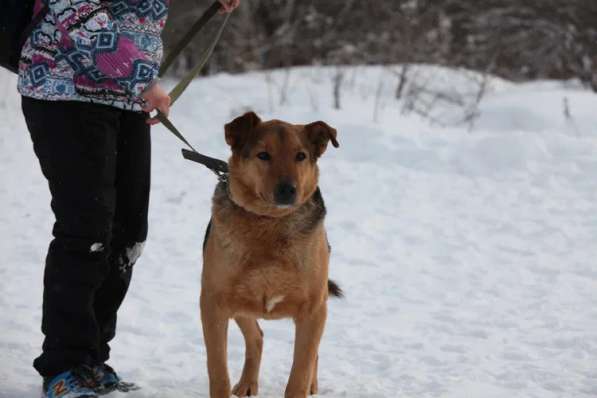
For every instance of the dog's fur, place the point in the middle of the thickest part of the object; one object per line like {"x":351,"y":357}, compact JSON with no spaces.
{"x":265,"y":260}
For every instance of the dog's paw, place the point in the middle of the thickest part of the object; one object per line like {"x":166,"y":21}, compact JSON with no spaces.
{"x":313,"y":388}
{"x":245,"y":388}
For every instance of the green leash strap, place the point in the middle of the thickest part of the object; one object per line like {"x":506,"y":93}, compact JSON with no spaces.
{"x":219,"y":167}
{"x":188,"y":37}
{"x":168,"y":124}
{"x":184,"y":83}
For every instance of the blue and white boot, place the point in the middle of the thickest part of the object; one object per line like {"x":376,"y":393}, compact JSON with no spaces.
{"x":107,"y":381}
{"x":78,"y":382}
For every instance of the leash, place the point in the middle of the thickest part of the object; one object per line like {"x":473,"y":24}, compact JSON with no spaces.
{"x":219,"y":167}
{"x":188,"y":37}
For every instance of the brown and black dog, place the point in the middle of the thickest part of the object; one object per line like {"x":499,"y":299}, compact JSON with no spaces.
{"x":265,"y":251}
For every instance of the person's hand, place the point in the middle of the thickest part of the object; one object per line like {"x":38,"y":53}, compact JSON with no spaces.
{"x":156,"y":98}
{"x":229,"y":5}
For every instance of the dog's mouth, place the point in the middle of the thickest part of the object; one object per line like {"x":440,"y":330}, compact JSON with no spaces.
{"x":284,"y":206}
{"x":271,"y":202}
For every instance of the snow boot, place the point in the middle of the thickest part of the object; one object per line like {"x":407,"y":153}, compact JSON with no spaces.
{"x":78,"y":382}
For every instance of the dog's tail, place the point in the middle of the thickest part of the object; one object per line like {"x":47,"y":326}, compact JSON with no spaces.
{"x":334,"y":289}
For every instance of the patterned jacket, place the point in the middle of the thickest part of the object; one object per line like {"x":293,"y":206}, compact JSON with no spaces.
{"x":97,"y":51}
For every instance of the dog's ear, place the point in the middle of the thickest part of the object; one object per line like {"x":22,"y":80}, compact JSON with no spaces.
{"x":238,"y":130}
{"x":319,"y":134}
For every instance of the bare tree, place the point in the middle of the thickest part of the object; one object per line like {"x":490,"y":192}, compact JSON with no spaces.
{"x":531,"y":39}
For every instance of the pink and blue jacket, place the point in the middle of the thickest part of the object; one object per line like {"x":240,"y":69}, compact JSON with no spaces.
{"x":99,"y":51}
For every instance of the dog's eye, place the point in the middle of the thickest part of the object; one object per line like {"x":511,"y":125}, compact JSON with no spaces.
{"x":301,"y":156}
{"x":264,"y":156}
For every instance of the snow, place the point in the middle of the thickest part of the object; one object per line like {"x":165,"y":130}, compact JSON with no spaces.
{"x":96,"y":247}
{"x":133,"y":253}
{"x":467,"y":255}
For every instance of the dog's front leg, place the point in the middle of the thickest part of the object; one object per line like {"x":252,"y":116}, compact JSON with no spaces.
{"x":309,"y":330}
{"x":215,"y":333}
{"x":248,"y":383}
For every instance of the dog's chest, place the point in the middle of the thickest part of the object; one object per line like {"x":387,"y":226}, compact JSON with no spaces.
{"x":265,"y":267}
{"x":268,"y":287}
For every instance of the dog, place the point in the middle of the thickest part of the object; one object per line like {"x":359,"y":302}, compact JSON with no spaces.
{"x":265,"y":253}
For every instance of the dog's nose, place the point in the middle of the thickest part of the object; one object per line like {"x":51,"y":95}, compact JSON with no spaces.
{"x":285,"y":194}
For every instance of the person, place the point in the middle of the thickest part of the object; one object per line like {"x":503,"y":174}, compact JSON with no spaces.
{"x":88,"y":79}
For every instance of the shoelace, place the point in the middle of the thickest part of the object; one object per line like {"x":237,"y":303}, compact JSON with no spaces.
{"x":108,"y":369}
{"x":101,"y":371}
{"x":82,"y":376}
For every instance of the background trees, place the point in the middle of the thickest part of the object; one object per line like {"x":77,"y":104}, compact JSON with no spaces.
{"x":514,"y":39}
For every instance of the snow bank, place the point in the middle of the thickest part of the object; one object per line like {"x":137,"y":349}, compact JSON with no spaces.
{"x":467,"y":255}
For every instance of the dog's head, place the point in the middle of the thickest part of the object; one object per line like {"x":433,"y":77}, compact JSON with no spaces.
{"x":273,"y":167}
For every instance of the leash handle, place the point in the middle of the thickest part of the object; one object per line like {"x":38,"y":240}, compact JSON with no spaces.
{"x":188,"y":37}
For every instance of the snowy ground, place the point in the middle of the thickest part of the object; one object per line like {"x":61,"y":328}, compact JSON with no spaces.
{"x":468,"y":257}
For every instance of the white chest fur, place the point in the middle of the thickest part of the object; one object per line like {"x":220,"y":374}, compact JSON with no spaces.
{"x":272,"y":301}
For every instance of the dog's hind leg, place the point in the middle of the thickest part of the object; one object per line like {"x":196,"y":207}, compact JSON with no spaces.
{"x":248,"y":383}
{"x":314,"y":386}
{"x":215,"y":334}
{"x":309,"y":329}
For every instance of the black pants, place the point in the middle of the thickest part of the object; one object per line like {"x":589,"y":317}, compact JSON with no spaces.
{"x":96,"y":159}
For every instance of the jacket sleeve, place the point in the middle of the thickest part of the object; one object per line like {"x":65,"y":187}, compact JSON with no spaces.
{"x":91,"y":42}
